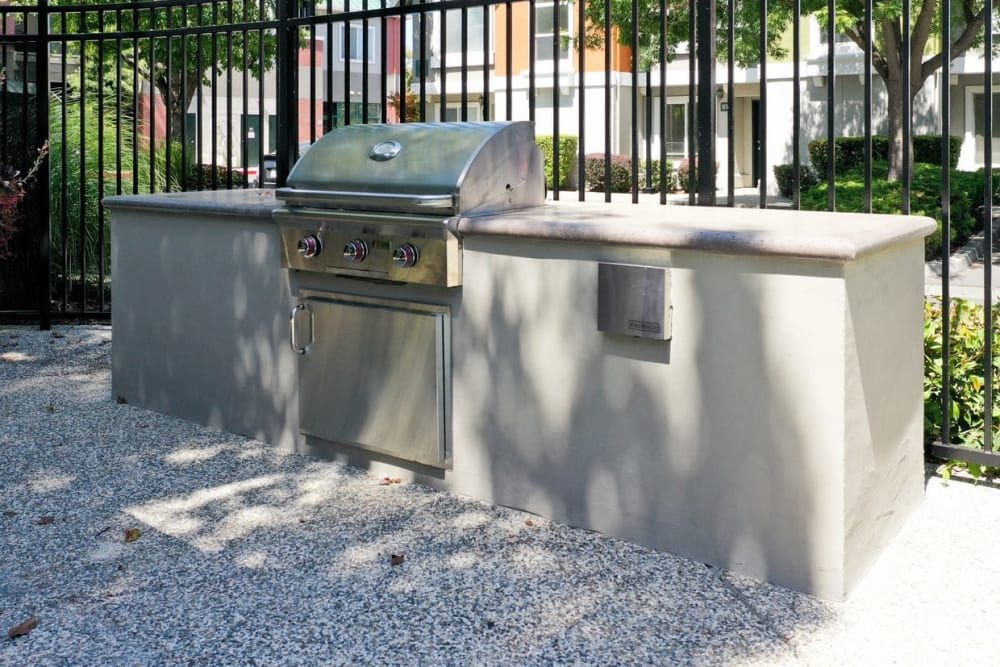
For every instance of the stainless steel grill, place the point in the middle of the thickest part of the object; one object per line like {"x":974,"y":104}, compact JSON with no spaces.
{"x":373,"y":201}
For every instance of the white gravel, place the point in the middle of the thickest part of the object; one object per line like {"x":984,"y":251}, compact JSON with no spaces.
{"x":250,"y":555}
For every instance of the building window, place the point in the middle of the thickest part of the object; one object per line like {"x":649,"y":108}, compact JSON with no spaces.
{"x":453,"y":113}
{"x":358,"y":45}
{"x":333,"y":114}
{"x":545,"y":25}
{"x":676,"y":138}
{"x":474,"y":34}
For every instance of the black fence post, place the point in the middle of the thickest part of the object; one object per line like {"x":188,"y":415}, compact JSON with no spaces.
{"x":42,"y":110}
{"x":706,"y":108}
{"x":288,"y":89}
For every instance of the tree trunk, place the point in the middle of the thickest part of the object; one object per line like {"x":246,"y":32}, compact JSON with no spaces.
{"x":177,"y":100}
{"x":894,"y":110}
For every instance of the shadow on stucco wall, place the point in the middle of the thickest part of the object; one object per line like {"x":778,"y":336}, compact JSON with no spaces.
{"x":598,"y":430}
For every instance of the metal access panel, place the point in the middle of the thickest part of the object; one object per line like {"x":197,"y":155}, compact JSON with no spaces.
{"x":634,"y":301}
{"x":376,"y":374}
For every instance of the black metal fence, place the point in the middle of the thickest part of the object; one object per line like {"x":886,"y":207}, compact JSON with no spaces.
{"x":637,"y":96}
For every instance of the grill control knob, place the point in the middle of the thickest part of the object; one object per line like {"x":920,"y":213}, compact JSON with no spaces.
{"x":356,"y":251}
{"x":405,"y":255}
{"x":310,"y":246}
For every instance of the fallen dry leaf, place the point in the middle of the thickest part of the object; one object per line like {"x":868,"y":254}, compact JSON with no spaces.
{"x":45,"y":520}
{"x":22,"y":629}
{"x":132,"y":534}
{"x":397,"y":559}
{"x":385,"y":481}
{"x":529,"y":522}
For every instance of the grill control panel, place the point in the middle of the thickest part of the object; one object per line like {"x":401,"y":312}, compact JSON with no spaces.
{"x":422,"y":252}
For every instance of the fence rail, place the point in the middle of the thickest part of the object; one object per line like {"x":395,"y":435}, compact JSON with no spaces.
{"x":634,"y":96}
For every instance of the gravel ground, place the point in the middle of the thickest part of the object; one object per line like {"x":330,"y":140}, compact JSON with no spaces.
{"x":250,"y":555}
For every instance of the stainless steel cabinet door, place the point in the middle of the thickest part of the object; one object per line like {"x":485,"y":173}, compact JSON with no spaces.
{"x":377,"y":375}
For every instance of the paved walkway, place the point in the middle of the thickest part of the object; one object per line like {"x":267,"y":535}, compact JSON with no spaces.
{"x":969,"y":268}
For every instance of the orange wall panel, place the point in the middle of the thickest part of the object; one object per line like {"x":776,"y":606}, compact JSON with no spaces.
{"x":593,"y":58}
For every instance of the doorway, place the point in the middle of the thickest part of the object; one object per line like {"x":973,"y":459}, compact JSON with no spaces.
{"x":251,"y":137}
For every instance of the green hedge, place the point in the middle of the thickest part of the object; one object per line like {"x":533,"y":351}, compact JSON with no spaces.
{"x":850,"y":152}
{"x":925,"y":199}
{"x":567,"y":158}
{"x":784,"y":175}
{"x":978,"y":194}
{"x":927,"y":149}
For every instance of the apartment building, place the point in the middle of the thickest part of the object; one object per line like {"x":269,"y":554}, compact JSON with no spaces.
{"x":552,"y":88}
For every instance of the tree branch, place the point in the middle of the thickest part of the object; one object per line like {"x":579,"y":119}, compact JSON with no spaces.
{"x":856,"y":33}
{"x":922,"y":30}
{"x":958,"y":47}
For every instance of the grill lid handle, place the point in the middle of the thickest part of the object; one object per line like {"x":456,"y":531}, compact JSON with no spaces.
{"x":364,"y":200}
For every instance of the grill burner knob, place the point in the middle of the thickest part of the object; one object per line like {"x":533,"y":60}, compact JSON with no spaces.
{"x":355,"y":251}
{"x":405,"y":255}
{"x":310,"y":246}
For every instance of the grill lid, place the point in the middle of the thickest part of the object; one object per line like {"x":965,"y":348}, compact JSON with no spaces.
{"x":429,"y":168}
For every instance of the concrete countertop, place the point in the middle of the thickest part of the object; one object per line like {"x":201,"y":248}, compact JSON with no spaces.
{"x":243,"y":203}
{"x":737,"y":231}
{"x":743,"y":231}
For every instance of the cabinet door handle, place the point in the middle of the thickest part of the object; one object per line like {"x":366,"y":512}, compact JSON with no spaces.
{"x":291,"y":329}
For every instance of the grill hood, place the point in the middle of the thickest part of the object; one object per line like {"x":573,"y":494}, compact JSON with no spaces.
{"x":423,"y":168}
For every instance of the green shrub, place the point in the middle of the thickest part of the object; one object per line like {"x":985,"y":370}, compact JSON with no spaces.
{"x":784,"y":175}
{"x":567,"y":158}
{"x":653,"y":169}
{"x":850,"y":152}
{"x":977,"y":195}
{"x":621,"y":172}
{"x":179,"y":161}
{"x":925,"y":199}
{"x":90,"y":165}
{"x":966,"y":371}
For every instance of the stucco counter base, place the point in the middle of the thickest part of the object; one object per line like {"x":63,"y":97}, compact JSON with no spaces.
{"x":777,"y":433}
